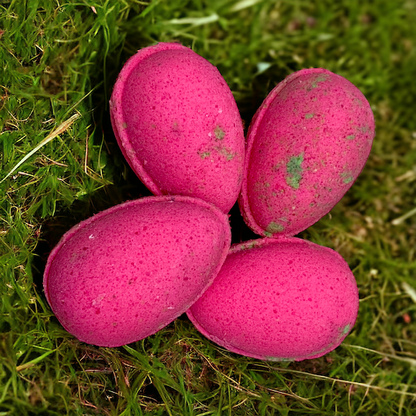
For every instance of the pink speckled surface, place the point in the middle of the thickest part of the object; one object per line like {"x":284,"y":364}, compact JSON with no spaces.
{"x":178,"y":126}
{"x":127,"y":272}
{"x":283,"y":299}
{"x":306,"y":146}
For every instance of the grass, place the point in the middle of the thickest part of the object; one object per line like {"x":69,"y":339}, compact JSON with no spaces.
{"x":60,"y":164}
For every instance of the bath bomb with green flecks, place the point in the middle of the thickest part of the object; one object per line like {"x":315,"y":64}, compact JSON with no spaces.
{"x":178,"y":126}
{"x":279,"y":299}
{"x":306,"y":145}
{"x":127,"y":272}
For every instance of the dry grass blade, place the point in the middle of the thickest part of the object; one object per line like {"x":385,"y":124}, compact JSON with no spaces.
{"x":59,"y":130}
{"x":351,"y":383}
{"x":410,"y":291}
{"x":404,"y":217}
{"x":410,"y":361}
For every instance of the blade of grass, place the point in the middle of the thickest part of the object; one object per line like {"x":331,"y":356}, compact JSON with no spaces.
{"x":59,"y":130}
{"x":33,"y":362}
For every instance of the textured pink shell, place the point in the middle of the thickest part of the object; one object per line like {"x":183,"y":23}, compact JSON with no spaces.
{"x":279,"y":299}
{"x":306,"y":146}
{"x":178,"y":126}
{"x":127,"y":272}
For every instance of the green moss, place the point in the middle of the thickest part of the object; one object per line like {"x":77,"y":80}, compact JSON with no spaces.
{"x":249,"y":245}
{"x":345,"y":330}
{"x":280,"y":359}
{"x":219,"y":133}
{"x":224,"y":151}
{"x":274,"y":227}
{"x":315,"y":81}
{"x":363,"y":129}
{"x":204,"y":155}
{"x":294,"y":170}
{"x":347,"y":177}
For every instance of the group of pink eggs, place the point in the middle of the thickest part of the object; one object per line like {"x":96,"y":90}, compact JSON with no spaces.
{"x":130,"y":270}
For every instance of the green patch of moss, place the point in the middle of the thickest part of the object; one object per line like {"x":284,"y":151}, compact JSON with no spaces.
{"x":279,"y":359}
{"x":294,"y":170}
{"x":228,"y":153}
{"x":274,"y":227}
{"x":249,"y":246}
{"x":219,"y":133}
{"x":345,"y":330}
{"x":204,"y":155}
{"x":315,"y":81}
{"x":347,"y":177}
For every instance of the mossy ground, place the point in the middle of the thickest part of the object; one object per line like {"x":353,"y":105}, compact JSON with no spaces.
{"x":59,"y":61}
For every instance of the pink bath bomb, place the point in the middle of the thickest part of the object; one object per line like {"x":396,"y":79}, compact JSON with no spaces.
{"x":306,"y":146}
{"x":283,"y":299}
{"x":178,"y":126}
{"x":127,"y":272}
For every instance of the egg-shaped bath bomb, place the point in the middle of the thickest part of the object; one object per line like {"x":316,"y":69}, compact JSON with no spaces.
{"x":306,"y":145}
{"x":282,"y":299}
{"x":127,"y":272}
{"x":178,"y":126}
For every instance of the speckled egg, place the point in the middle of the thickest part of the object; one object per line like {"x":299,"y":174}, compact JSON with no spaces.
{"x":178,"y":126}
{"x":282,"y":299}
{"x":306,"y":146}
{"x":127,"y":272}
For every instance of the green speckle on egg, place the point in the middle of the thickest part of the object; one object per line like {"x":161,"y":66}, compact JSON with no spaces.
{"x":294,"y":171}
{"x":346,"y":329}
{"x":351,"y":137}
{"x":316,"y":80}
{"x":308,"y":116}
{"x":347,"y":177}
{"x":274,"y":227}
{"x":249,"y":245}
{"x":225,"y":152}
{"x":363,"y":129}
{"x":279,"y":359}
{"x":219,"y":133}
{"x":204,"y":155}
